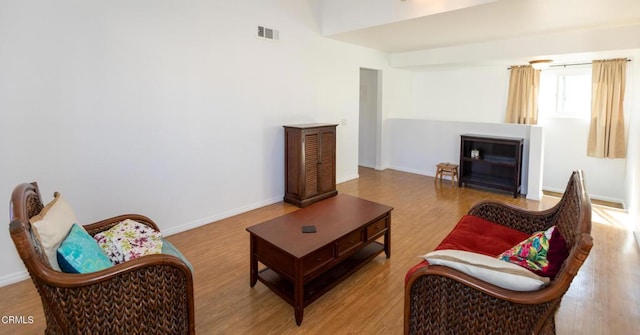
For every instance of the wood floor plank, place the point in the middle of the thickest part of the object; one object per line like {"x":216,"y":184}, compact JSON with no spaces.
{"x":604,"y":298}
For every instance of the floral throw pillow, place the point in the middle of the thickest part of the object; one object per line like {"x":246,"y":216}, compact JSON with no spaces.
{"x":129,"y":240}
{"x":543,"y":253}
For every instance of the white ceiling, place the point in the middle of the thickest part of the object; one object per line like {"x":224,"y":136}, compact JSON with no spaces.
{"x":491,"y":21}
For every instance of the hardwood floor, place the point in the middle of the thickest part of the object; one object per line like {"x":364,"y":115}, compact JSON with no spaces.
{"x":603,"y":299}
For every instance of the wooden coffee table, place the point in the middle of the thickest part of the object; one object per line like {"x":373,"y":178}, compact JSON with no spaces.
{"x":301,"y":267}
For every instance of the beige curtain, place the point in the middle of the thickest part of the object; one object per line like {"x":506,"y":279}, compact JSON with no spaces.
{"x":606,"y":134}
{"x":522,"y":102}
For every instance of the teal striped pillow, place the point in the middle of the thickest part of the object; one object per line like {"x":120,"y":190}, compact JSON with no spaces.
{"x":80,"y":253}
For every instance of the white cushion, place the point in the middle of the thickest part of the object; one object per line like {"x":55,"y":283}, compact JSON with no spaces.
{"x":52,"y":225}
{"x":489,"y":269}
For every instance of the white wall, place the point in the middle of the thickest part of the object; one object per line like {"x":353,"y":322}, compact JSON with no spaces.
{"x":613,"y":180}
{"x":368,"y":118}
{"x":633,"y":149}
{"x":417,"y":145}
{"x":536,"y":162}
{"x":396,"y":99}
{"x":474,"y":93}
{"x":566,"y":147}
{"x":566,"y":150}
{"x":460,"y":93}
{"x":166,"y":108}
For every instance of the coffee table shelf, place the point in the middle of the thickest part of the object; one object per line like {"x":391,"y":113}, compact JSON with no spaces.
{"x":324,"y":282}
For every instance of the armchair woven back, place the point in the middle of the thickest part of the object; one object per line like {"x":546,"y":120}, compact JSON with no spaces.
{"x":441,"y":300}
{"x":152,"y":294}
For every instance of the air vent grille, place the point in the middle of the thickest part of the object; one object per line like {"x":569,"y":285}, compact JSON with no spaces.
{"x":267,"y":33}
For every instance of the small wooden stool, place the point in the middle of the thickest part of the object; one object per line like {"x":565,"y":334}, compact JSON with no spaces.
{"x":447,"y":169}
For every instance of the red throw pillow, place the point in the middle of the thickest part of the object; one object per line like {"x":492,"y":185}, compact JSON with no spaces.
{"x":557,"y":253}
{"x":543,"y":253}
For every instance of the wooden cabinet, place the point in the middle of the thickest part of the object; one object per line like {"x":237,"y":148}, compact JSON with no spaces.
{"x":310,"y":163}
{"x":494,"y":162}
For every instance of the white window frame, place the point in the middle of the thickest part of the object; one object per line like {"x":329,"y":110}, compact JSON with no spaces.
{"x":561,"y":74}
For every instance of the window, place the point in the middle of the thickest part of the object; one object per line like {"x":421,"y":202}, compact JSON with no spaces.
{"x":565,"y":92}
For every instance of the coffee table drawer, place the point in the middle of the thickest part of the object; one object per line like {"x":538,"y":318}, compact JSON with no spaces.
{"x":317,"y":259}
{"x":350,"y":241}
{"x":274,"y":257}
{"x":376,"y":228}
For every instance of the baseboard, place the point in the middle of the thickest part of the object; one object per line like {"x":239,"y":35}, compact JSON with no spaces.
{"x":414,"y":171}
{"x":218,"y":217}
{"x":236,"y":211}
{"x":420,"y":172}
{"x":533,"y":196}
{"x":347,"y":178}
{"x":240,"y":210}
{"x":592,"y":196}
{"x":13,"y":278}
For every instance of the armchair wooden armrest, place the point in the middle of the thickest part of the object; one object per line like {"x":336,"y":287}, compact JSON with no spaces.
{"x":106,"y":224}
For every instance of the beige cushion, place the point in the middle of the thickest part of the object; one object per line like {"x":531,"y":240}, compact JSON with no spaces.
{"x":52,"y":225}
{"x":489,"y":269}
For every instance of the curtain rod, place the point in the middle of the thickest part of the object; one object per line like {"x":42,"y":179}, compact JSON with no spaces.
{"x":572,"y":64}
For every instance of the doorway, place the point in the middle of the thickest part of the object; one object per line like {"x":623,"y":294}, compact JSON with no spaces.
{"x":370,"y":125}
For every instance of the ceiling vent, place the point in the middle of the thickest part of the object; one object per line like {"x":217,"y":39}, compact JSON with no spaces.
{"x":267,"y":33}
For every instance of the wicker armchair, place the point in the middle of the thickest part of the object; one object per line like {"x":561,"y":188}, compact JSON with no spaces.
{"x":442,"y":300}
{"x":149,"y":295}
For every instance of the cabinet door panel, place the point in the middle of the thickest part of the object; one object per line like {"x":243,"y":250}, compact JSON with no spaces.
{"x":311,"y":143}
{"x":293,"y":163}
{"x":327,"y":166}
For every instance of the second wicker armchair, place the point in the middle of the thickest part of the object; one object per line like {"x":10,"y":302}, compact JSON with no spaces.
{"x":443,"y":300}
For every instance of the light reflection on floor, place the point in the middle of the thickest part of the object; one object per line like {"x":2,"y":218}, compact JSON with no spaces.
{"x":620,"y":218}
{"x":611,"y":216}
